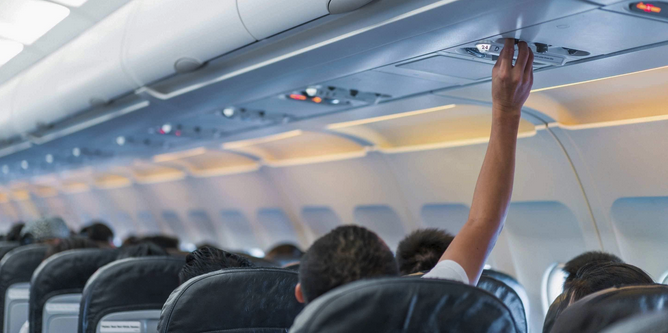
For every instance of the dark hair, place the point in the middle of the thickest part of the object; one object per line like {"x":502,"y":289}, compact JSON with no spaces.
{"x":14,"y":234}
{"x":596,"y":277}
{"x":98,"y":232}
{"x":166,"y":242}
{"x":208,"y":259}
{"x":71,"y":243}
{"x":421,"y":250}
{"x":146,"y":249}
{"x":284,"y":254}
{"x":344,"y":255}
{"x":588,"y":258}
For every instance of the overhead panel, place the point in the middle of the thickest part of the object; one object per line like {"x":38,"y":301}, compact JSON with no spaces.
{"x":169,"y":36}
{"x":86,"y":72}
{"x":264,"y":18}
{"x":147,"y":173}
{"x":207,"y":163}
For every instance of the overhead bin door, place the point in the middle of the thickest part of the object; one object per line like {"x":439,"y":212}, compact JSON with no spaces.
{"x":164,"y":32}
{"x":87,"y":70}
{"x":264,"y":18}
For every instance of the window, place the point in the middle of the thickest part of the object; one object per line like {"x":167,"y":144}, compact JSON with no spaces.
{"x":277,"y":226}
{"x":321,"y":220}
{"x":384,"y":221}
{"x":148,"y":223}
{"x":553,"y":284}
{"x":236,"y":224}
{"x":450,"y":217}
{"x":174,"y":222}
{"x":664,"y":278}
{"x":205,"y":228}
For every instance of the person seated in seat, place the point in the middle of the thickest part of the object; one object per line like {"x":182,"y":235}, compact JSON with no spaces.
{"x":71,"y":243}
{"x":588,"y":258}
{"x":45,"y":231}
{"x":209,"y":259}
{"x":284,"y":254}
{"x":14,"y":234}
{"x":595,"y":277}
{"x":352,"y":253}
{"x":145,"y":249}
{"x":99,"y":233}
{"x":421,"y":250}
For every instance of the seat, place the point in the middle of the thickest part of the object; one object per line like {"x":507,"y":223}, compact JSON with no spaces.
{"x":16,"y":269}
{"x":56,"y":288}
{"x":5,"y":247}
{"x":233,"y":300}
{"x":405,"y":305}
{"x":127,"y":295}
{"x":607,"y":307}
{"x":509,"y":297}
{"x":656,"y":322}
{"x":556,"y":308}
{"x":512,"y":283}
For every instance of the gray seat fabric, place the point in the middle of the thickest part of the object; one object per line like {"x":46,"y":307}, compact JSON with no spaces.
{"x":556,"y":308}
{"x":405,"y":305}
{"x":650,"y":323}
{"x":16,"y":270}
{"x":65,"y":273}
{"x":130,"y":286}
{"x":605,"y":308}
{"x":509,"y":297}
{"x":241,"y":300}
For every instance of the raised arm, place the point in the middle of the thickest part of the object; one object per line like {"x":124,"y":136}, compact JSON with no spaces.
{"x":510,"y":89}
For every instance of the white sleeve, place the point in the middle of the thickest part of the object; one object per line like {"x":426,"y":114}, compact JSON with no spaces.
{"x":448,"y":270}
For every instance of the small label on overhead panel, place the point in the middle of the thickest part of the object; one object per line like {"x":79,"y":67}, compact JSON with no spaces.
{"x":549,"y":59}
{"x":120,"y":327}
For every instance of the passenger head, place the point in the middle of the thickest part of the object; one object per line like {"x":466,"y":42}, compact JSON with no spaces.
{"x":166,"y":242}
{"x":71,"y":243}
{"x":421,"y":250}
{"x":209,"y":259}
{"x":588,"y":258}
{"x":146,"y":249}
{"x":14,"y":234}
{"x":45,"y":230}
{"x":596,"y":277}
{"x":284,"y":254}
{"x":100,"y":233}
{"x":344,"y":255}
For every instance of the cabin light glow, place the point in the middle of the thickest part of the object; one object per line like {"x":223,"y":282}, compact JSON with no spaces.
{"x":255,"y":252}
{"x":252,"y":142}
{"x":597,"y":80}
{"x":25,"y":21}
{"x":179,"y":155}
{"x":8,"y":50}
{"x":388,"y":117}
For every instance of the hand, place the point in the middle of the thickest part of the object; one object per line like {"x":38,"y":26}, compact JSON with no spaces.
{"x":511,"y":85}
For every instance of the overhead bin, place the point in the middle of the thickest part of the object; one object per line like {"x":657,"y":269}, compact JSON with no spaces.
{"x":85,"y":72}
{"x":264,"y":18}
{"x":164,"y":35}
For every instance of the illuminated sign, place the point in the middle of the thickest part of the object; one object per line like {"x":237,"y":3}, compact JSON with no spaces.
{"x":654,"y":9}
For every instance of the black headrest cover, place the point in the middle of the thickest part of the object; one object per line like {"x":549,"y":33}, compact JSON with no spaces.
{"x":656,"y":322}
{"x":17,"y":266}
{"x":600,"y":310}
{"x":405,"y":305}
{"x":509,"y":297}
{"x":63,"y":273}
{"x":556,"y":308}
{"x":233,"y":300}
{"x":128,"y":285}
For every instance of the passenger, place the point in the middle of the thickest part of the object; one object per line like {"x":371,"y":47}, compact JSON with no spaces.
{"x":45,"y":230}
{"x":284,"y":254}
{"x":145,"y":249}
{"x":71,"y":243}
{"x":170,"y":244}
{"x":421,"y":250}
{"x":209,"y":259}
{"x":592,"y":257}
{"x":99,"y":233}
{"x":14,"y":234}
{"x":351,"y":253}
{"x":596,"y":277}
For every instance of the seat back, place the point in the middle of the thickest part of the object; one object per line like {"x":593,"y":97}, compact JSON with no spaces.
{"x":57,"y":285}
{"x":405,"y":305}
{"x":127,"y":295}
{"x":5,"y":247}
{"x":16,"y":270}
{"x":233,"y":300}
{"x":509,"y":297}
{"x":656,"y":322}
{"x":556,"y":308}
{"x":605,"y":308}
{"x":512,"y":283}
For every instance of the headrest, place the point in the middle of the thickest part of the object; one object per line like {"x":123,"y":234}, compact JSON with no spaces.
{"x":17,"y":266}
{"x":600,"y":310}
{"x":233,"y":300}
{"x":5,"y":247}
{"x":131,"y":284}
{"x":558,"y":306}
{"x":512,"y":283}
{"x":509,"y":297}
{"x":63,"y":273}
{"x":405,"y":305}
{"x":656,"y":322}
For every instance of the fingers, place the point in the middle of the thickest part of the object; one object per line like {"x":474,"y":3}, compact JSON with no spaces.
{"x":528,"y":70}
{"x":506,"y":55}
{"x":522,"y":56}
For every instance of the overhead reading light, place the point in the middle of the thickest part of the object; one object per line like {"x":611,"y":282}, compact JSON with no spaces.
{"x":26,"y":21}
{"x":8,"y":50}
{"x":71,"y":3}
{"x":166,"y":128}
{"x":24,"y":165}
{"x":76,"y":152}
{"x":5,"y":169}
{"x":228,"y":112}
{"x":311,"y":91}
{"x":49,"y":158}
{"x":120,"y":140}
